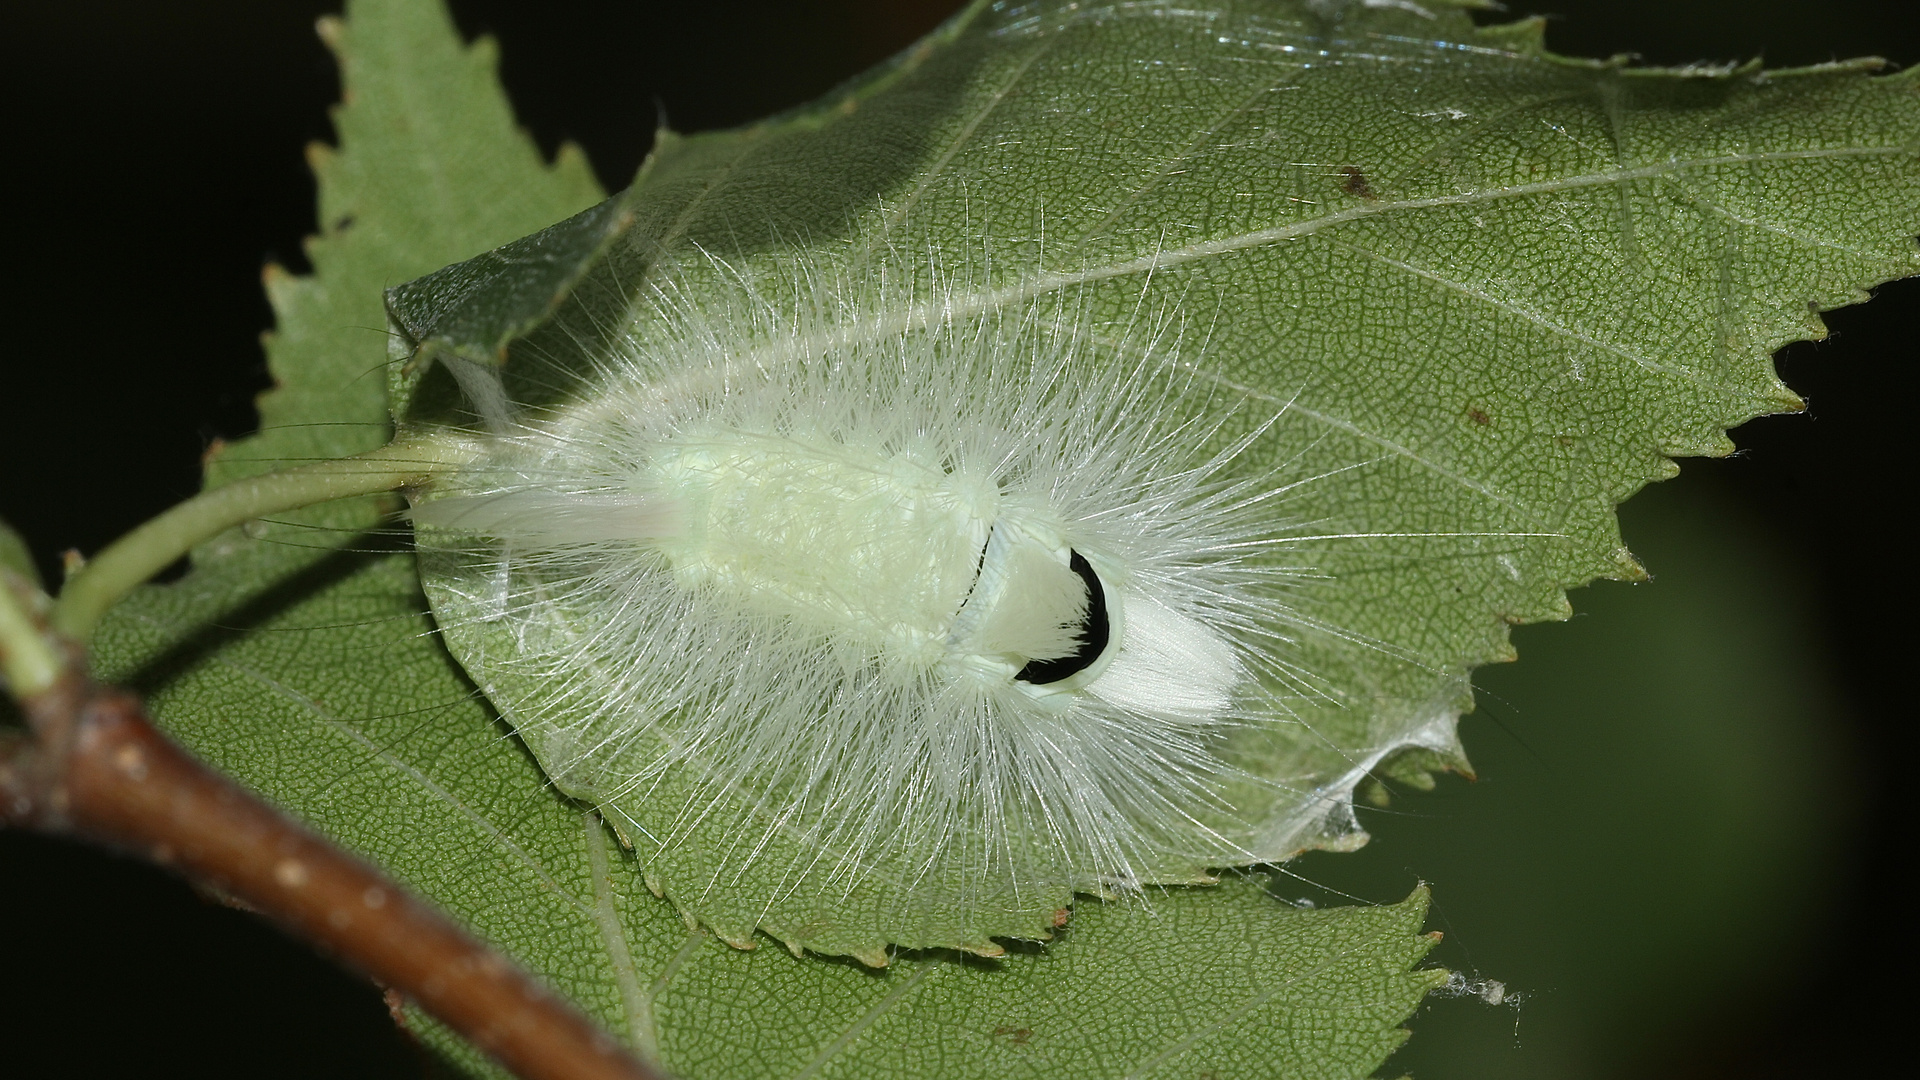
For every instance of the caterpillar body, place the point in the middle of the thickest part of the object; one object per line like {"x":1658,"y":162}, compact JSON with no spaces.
{"x":901,"y":641}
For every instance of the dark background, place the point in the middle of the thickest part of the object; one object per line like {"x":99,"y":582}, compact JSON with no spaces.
{"x":155,"y":164}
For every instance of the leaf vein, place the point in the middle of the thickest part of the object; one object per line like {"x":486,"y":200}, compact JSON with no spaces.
{"x":642,"y":1027}
{"x":893,"y":215}
{"x":1513,"y":307}
{"x":868,"y":1019}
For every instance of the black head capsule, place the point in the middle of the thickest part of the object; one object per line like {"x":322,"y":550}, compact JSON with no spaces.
{"x":1095,"y":629}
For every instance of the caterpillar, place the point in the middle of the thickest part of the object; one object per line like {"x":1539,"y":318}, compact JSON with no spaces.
{"x":903,"y":638}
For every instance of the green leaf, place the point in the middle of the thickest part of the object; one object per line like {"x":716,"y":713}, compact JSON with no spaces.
{"x":1489,"y":292}
{"x":472,"y":310}
{"x":432,"y":170}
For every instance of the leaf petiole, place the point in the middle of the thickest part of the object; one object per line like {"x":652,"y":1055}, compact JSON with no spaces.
{"x":29,"y":663}
{"x":405,"y":462}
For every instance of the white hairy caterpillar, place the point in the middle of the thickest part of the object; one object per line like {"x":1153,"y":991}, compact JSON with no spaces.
{"x":966,"y":615}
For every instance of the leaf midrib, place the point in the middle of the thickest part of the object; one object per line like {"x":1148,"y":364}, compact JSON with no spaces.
{"x":959,"y":305}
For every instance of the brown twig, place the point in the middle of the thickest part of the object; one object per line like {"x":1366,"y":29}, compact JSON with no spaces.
{"x":95,"y":767}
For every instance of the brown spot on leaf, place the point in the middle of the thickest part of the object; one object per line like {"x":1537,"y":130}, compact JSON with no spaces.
{"x":1356,"y":184}
{"x":1014,"y":1035}
{"x":1478,"y":415}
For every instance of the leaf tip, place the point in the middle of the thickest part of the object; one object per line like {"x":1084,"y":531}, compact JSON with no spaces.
{"x":330,"y":29}
{"x":1626,"y":567}
{"x":1526,"y":36}
{"x":320,"y":156}
{"x":873,"y":956}
{"x":485,"y":49}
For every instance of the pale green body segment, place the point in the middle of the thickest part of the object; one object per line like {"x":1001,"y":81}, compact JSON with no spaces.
{"x":885,"y":555}
{"x":877,"y":550}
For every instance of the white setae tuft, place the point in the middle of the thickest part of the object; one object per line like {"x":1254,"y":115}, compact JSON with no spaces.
{"x":984,"y":600}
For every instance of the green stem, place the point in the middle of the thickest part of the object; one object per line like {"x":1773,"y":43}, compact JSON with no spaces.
{"x":148,"y":549}
{"x":27,"y":660}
